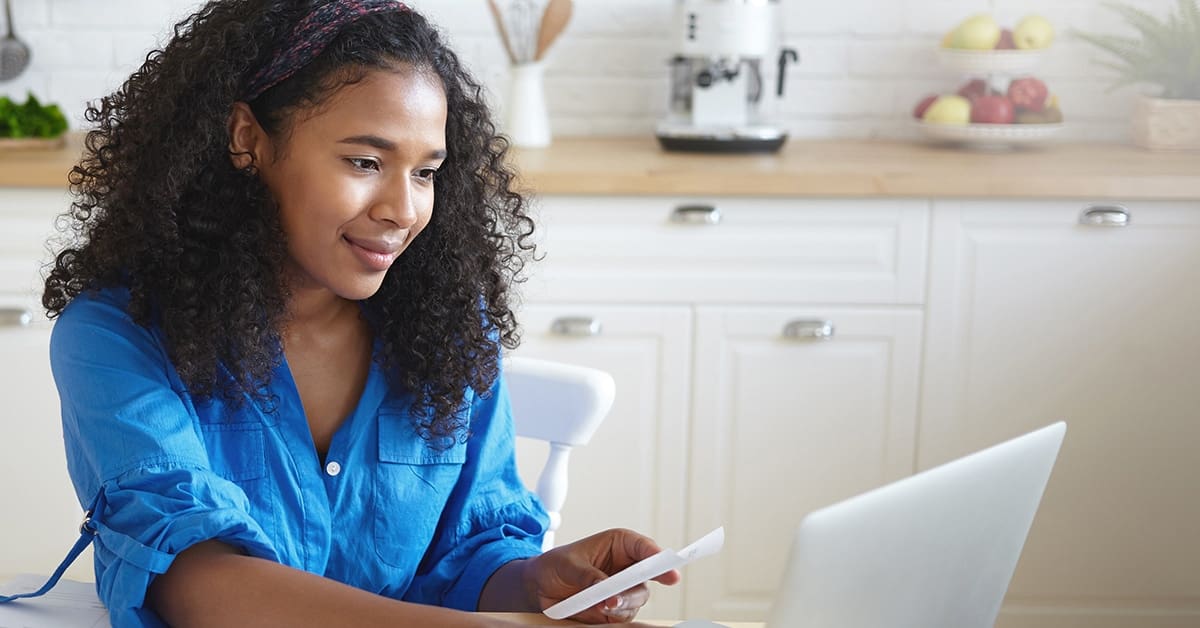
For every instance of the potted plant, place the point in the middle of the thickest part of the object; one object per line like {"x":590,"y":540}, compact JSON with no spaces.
{"x":30,"y":125}
{"x":1165,"y":54}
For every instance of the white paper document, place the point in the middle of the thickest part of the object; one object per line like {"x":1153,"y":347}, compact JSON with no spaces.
{"x":636,"y":574}
{"x":69,"y":604}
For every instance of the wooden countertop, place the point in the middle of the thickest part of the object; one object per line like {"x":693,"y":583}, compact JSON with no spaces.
{"x":847,"y":168}
{"x":863,"y":168}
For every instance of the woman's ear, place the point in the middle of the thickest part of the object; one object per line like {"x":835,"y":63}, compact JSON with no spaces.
{"x":247,"y":139}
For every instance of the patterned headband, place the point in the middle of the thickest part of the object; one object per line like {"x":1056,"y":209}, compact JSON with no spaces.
{"x":312,"y":35}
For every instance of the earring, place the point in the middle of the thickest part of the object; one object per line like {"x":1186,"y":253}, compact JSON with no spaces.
{"x":243,"y":162}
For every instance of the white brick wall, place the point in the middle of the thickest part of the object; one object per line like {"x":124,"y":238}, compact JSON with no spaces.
{"x":864,"y":63}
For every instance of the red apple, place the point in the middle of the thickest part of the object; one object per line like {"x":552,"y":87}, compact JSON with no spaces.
{"x":974,"y":89}
{"x":1028,"y":93}
{"x":919,"y":111}
{"x":992,"y":109}
{"x":1006,"y":41}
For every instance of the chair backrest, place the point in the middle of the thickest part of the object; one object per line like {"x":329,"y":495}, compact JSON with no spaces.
{"x":561,"y":404}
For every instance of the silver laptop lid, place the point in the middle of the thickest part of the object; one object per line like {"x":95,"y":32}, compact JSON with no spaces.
{"x":934,"y":550}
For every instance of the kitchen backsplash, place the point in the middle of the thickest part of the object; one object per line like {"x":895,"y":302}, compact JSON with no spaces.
{"x":863,"y":63}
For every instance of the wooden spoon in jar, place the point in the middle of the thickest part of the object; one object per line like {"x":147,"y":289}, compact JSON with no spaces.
{"x":499,"y":18}
{"x":554,"y":20}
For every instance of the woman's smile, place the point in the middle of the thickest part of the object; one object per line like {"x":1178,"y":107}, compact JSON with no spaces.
{"x":377,"y":254}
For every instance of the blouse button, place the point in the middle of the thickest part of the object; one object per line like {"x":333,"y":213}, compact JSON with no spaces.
{"x":333,"y":468}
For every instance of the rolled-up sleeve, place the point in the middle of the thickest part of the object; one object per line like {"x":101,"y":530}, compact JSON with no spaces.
{"x":492,"y":519}
{"x":135,"y":450}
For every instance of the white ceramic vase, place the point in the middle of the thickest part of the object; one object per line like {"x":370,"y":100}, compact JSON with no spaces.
{"x":528,"y":122}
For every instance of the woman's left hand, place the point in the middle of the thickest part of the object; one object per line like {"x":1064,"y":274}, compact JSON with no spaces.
{"x":566,"y":570}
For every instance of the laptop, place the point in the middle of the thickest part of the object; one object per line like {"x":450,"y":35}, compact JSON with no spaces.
{"x":933,"y":550}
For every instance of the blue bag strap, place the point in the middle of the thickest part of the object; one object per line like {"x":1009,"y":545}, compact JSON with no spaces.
{"x":87,"y":532}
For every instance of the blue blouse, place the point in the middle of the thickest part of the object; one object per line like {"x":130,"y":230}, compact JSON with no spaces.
{"x":384,"y":512}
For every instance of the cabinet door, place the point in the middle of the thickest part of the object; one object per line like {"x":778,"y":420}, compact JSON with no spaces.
{"x":27,"y":218}
{"x":42,"y":516}
{"x":631,"y":474}
{"x":1034,"y":317}
{"x":786,"y":420}
{"x":736,"y":251}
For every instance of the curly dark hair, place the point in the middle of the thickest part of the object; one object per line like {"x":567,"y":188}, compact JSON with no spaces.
{"x":160,"y":209}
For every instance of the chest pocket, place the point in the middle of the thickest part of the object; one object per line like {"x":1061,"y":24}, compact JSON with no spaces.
{"x":411,"y":490}
{"x":236,"y":451}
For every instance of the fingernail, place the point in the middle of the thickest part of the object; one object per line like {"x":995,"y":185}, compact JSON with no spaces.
{"x":615,"y":606}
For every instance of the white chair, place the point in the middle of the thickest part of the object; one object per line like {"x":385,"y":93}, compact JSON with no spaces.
{"x":561,"y":404}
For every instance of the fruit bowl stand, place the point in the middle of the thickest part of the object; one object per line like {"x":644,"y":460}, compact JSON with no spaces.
{"x":987,"y":62}
{"x":989,"y":136}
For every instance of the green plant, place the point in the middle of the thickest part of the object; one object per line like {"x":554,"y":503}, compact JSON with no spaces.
{"x":1166,"y":52}
{"x":31,"y":119}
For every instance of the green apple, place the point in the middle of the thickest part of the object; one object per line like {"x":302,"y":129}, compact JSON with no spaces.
{"x":1032,"y":32}
{"x":978,"y":32}
{"x":949,"y":109}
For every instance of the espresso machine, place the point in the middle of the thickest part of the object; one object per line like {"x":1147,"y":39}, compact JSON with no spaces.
{"x":720,"y":101}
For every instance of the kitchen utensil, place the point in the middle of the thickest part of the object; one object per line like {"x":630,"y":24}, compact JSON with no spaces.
{"x":554,"y":20}
{"x":523,"y":29}
{"x":14,"y":54}
{"x":503,"y":30}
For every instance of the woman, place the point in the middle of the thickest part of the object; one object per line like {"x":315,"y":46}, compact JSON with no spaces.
{"x":279,"y":332}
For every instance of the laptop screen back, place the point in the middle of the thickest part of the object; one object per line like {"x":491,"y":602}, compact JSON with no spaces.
{"x":934,"y":550}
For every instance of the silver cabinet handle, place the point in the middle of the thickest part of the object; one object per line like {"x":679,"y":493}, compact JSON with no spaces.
{"x":575,"y":326}
{"x":1105,"y":216}
{"x":696,"y":215}
{"x":15,"y":317}
{"x":809,"y":330}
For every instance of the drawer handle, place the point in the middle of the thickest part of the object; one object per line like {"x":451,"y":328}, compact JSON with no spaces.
{"x":696,"y":215}
{"x":575,"y":326}
{"x":809,"y":330}
{"x":15,"y":317}
{"x":1105,"y":216}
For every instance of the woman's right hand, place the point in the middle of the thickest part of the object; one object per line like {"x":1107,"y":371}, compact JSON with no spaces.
{"x":565,"y":570}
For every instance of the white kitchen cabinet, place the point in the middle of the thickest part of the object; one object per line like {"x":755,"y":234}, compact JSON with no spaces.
{"x":1034,"y":317}
{"x":632,"y":473}
{"x":766,"y":411}
{"x":42,"y":516}
{"x":794,"y":408}
{"x":27,"y":217}
{"x":731,"y":250}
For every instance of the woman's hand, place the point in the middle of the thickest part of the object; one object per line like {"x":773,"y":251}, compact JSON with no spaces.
{"x":566,"y":570}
